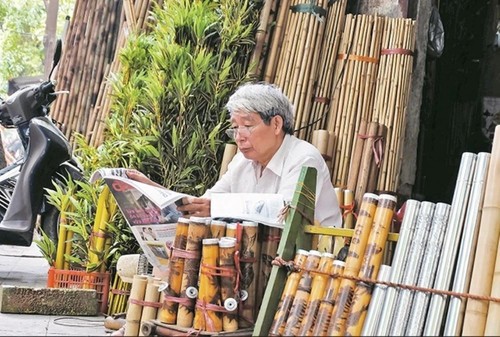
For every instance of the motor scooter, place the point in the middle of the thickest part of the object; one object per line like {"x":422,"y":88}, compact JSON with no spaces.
{"x":48,"y":159}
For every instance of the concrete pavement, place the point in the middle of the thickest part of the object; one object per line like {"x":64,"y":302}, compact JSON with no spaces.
{"x":25,"y":266}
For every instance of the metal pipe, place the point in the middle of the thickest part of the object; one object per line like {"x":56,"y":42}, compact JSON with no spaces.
{"x":375,"y":307}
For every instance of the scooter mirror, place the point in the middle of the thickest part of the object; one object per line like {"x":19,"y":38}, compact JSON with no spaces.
{"x":57,"y":56}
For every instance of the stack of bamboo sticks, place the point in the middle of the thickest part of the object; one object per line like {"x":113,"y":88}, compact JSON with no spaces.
{"x":92,"y":43}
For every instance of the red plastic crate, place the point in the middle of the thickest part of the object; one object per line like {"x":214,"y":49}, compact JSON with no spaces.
{"x":80,"y":279}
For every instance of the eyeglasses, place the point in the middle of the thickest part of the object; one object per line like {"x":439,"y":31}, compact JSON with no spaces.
{"x":243,"y":131}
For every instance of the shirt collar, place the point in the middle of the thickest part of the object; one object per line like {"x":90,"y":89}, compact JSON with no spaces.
{"x":276,"y":162}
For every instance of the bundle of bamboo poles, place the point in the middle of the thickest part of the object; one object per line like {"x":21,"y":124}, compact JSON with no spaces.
{"x":391,"y":96}
{"x":215,"y":274}
{"x":96,"y":34}
{"x":118,"y":296}
{"x":353,"y":95}
{"x":143,"y":303}
{"x":297,"y":60}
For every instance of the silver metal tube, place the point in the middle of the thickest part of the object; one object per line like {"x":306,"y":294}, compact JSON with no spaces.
{"x":398,"y":264}
{"x":453,"y":324}
{"x":375,"y":307}
{"x":427,"y":273}
{"x":450,"y":243}
{"x":412,"y":270}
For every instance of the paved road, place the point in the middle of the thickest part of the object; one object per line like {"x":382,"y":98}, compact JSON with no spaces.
{"x":25,"y":266}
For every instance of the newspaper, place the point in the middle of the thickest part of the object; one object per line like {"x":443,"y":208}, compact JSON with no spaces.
{"x":150,"y":211}
{"x":264,"y":208}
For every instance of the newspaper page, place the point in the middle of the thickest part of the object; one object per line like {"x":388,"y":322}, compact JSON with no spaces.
{"x":150,"y":211}
{"x":265,"y":208}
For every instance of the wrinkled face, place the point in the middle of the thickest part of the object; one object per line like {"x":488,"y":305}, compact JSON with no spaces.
{"x":255,"y":139}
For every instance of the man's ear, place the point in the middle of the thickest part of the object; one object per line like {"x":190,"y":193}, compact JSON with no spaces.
{"x":277,"y":123}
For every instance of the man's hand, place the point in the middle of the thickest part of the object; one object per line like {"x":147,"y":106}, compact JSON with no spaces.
{"x":140,"y":177}
{"x":195,"y":207}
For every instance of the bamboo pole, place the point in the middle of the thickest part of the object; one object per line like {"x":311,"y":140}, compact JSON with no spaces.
{"x":217,"y":228}
{"x":484,"y":262}
{"x":366,"y":159}
{"x":227,"y":249}
{"x":151,"y":301}
{"x":269,"y":245}
{"x":134,"y":310}
{"x":288,"y":295}
{"x":357,"y":156}
{"x":249,"y":265}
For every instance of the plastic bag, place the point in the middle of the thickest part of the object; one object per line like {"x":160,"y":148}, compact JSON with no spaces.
{"x":435,"y":44}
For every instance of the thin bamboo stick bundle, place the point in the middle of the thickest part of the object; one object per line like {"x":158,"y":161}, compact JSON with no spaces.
{"x":366,"y":160}
{"x":483,"y":272}
{"x":412,"y":268}
{"x":260,"y":37}
{"x":227,"y":249}
{"x":318,"y":290}
{"x":288,"y":295}
{"x":205,"y":316}
{"x":412,"y":208}
{"x":249,"y":265}
{"x":329,"y":49}
{"x":311,"y":75}
{"x":357,"y":156}
{"x":276,"y":42}
{"x":269,"y":245}
{"x":197,"y":231}
{"x":296,"y":314}
{"x":325,"y":309}
{"x":353,"y":264}
{"x":372,"y":259}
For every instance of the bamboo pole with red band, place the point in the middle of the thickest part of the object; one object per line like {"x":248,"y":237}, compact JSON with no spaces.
{"x":168,"y":313}
{"x":320,"y":327}
{"x":301,"y":297}
{"x":249,"y":264}
{"x":353,"y":264}
{"x":197,"y":230}
{"x":318,"y":290}
{"x":228,"y":283}
{"x":372,"y":259}
{"x":206,"y":317}
{"x":151,"y":301}
{"x":270,"y":240}
{"x":134,"y":310}
{"x":288,"y":295}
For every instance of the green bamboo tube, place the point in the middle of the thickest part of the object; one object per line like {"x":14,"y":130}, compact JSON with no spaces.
{"x":168,"y":312}
{"x":151,"y":299}
{"x":353,"y":264}
{"x":288,"y":295}
{"x":318,"y":290}
{"x":269,"y":246}
{"x":249,"y":264}
{"x":372,"y":260}
{"x":296,"y":314}
{"x":320,"y":327}
{"x":67,"y":247}
{"x":205,"y":318}
{"x":197,"y":231}
{"x":134,"y":311}
{"x":227,"y":249}
{"x":217,"y":228}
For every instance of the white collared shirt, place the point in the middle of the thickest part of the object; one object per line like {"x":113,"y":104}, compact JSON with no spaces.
{"x":281,"y":176}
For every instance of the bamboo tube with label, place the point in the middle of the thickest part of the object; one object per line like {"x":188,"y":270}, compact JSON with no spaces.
{"x":231,"y":229}
{"x":353,"y":264}
{"x":288,"y":295}
{"x":270,"y":240}
{"x":134,"y":310}
{"x":197,"y":231}
{"x":296,"y":314}
{"x":168,"y":312}
{"x":249,"y":265}
{"x":372,"y":259}
{"x":207,"y":317}
{"x":228,"y":286}
{"x":318,"y":290}
{"x":325,"y":309}
{"x":151,"y":301}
